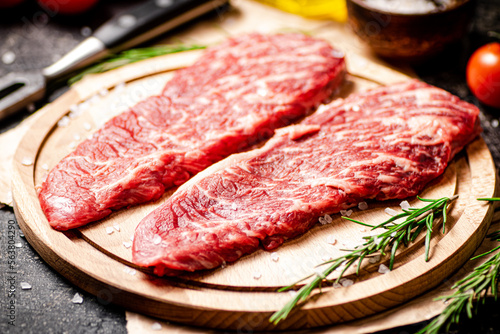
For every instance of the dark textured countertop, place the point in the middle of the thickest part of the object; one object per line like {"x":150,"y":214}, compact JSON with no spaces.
{"x":37,"y":39}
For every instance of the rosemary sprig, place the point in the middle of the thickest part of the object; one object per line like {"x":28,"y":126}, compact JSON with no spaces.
{"x":132,"y":56}
{"x":395,"y":235}
{"x":471,"y":291}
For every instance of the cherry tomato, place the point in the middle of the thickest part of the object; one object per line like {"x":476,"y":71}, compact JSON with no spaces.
{"x":483,"y":74}
{"x":9,"y":3}
{"x":67,"y":7}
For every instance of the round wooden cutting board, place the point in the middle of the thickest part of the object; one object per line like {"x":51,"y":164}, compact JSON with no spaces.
{"x":242,"y":295}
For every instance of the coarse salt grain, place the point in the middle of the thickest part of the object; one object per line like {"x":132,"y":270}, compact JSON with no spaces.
{"x":156,"y":326}
{"x":109,"y":230}
{"x":127,"y":244}
{"x":374,"y":259}
{"x":8,"y":57}
{"x":331,"y":240}
{"x":156,"y":239}
{"x":86,"y":31}
{"x":116,"y":227}
{"x":346,"y":213}
{"x":383,"y":269}
{"x":18,"y":245}
{"x":87,"y":126}
{"x":72,"y":145}
{"x":257,"y":275}
{"x":64,"y":121}
{"x":25,"y":286}
{"x":325,"y":258}
{"x":45,"y":167}
{"x":494,"y":123}
{"x":346,"y":282}
{"x":404,"y":205}
{"x":292,"y":293}
{"x":275,"y":257}
{"x":390,"y":211}
{"x":27,"y":162}
{"x":76,"y":136}
{"x":336,"y":285}
{"x":103,"y":92}
{"x":132,"y":237}
{"x":362,"y":205}
{"x":77,"y":299}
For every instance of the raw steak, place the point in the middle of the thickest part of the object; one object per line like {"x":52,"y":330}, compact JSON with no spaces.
{"x":235,"y":95}
{"x":386,"y":143}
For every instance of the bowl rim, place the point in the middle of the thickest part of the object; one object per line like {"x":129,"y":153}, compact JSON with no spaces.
{"x":362,"y":4}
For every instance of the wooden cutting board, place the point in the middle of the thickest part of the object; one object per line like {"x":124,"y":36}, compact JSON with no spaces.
{"x":242,"y":295}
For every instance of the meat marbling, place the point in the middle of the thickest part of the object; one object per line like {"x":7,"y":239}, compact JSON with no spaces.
{"x":386,"y":143}
{"x":235,"y":95}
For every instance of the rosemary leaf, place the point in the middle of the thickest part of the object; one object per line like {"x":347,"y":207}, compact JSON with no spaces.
{"x":470,"y":291}
{"x":416,"y":219}
{"x":131,"y":56}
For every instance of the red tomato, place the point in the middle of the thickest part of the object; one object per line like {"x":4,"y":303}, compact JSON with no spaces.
{"x":67,"y":7}
{"x":9,"y":3}
{"x":483,"y":74}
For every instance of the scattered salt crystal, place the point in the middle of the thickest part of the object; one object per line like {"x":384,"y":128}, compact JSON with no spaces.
{"x":109,"y":230}
{"x":25,"y":286}
{"x":45,"y":167}
{"x":292,"y":293}
{"x":87,"y":126}
{"x":390,"y":211}
{"x":337,"y":285}
{"x":132,"y":237}
{"x":327,"y":219}
{"x":374,"y":259}
{"x":103,"y":92}
{"x":363,"y":229}
{"x":337,"y":53}
{"x":77,"y":299}
{"x":83,"y":106}
{"x":275,"y":257}
{"x":86,"y":31}
{"x":127,"y":244}
{"x":404,"y":205}
{"x":355,"y":108}
{"x":363,"y":205}
{"x":94,"y":99}
{"x":325,"y":258}
{"x":18,"y":245}
{"x":331,"y":240}
{"x":494,"y":123}
{"x":132,"y":272}
{"x":346,"y":282}
{"x":64,"y":121}
{"x":116,"y":227}
{"x":257,"y":275}
{"x":76,"y":136}
{"x":346,"y":213}
{"x":31,"y":107}
{"x":27,"y":162}
{"x":119,"y":87}
{"x":383,"y":269}
{"x":156,"y":326}
{"x":8,"y":57}
{"x":156,"y":239}
{"x":74,"y":108}
{"x":72,"y":145}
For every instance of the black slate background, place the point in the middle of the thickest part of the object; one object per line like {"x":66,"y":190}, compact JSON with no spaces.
{"x":38,"y":38}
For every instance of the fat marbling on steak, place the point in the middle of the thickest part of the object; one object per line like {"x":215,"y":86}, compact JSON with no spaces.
{"x":235,"y":95}
{"x":385,"y":143}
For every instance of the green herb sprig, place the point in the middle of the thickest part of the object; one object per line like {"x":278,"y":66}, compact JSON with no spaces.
{"x":395,"y":235}
{"x":132,"y":56}
{"x":471,"y":291}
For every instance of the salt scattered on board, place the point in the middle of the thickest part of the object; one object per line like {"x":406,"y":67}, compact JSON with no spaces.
{"x":390,"y":212}
{"x":327,"y":219}
{"x":77,"y":299}
{"x":156,"y":326}
{"x":127,"y":244}
{"x":27,"y":161}
{"x":346,"y":282}
{"x":257,"y":275}
{"x":275,"y":257}
{"x":383,"y":269}
{"x":404,"y":205}
{"x":25,"y":286}
{"x":116,"y":227}
{"x":331,"y":240}
{"x":109,"y":230}
{"x":362,"y":205}
{"x":346,"y":213}
{"x":8,"y":57}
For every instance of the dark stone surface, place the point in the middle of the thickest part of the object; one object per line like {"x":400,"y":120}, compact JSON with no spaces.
{"x":38,"y":39}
